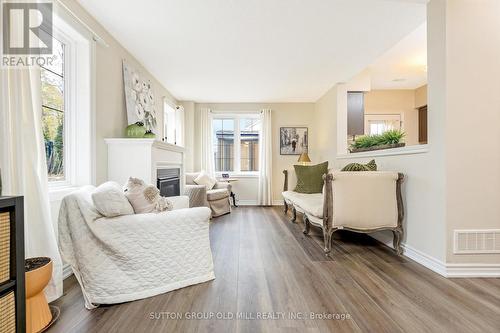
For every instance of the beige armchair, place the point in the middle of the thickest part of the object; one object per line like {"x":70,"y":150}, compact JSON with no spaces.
{"x":217,"y":199}
{"x":356,"y":201}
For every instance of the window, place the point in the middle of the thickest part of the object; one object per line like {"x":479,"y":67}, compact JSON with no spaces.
{"x":249,"y":143}
{"x":236,"y":143}
{"x":224,"y":144}
{"x":381,"y":123}
{"x":53,"y":82}
{"x":169,"y":123}
{"x":173,"y":124}
{"x":66,"y":87}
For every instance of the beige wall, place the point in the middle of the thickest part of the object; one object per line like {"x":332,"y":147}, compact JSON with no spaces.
{"x":111,"y":115}
{"x":325,"y":122}
{"x":421,"y":96}
{"x":283,"y":114}
{"x":473,"y":120}
{"x":400,"y":102}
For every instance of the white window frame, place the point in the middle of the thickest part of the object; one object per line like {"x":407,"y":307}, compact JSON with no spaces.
{"x":178,"y":121}
{"x":79,"y":107}
{"x":237,"y":142}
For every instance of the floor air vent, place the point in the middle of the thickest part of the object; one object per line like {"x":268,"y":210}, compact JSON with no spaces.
{"x":477,"y":241}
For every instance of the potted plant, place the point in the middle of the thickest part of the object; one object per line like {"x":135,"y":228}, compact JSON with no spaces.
{"x":386,"y":140}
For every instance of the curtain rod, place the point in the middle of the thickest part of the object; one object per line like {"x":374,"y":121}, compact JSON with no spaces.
{"x":95,"y":36}
{"x":233,"y":112}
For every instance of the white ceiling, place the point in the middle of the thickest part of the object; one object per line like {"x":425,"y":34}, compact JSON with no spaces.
{"x":404,"y":66}
{"x":259,"y":50}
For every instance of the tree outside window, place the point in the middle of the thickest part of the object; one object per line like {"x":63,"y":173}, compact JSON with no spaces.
{"x":53,"y":107}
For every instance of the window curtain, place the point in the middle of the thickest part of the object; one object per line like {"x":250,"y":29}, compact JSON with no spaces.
{"x":206,"y":144}
{"x":265,"y":196}
{"x":23,"y":166}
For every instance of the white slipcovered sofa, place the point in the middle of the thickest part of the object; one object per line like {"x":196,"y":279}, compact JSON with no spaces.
{"x":129,"y":257}
{"x":356,"y":201}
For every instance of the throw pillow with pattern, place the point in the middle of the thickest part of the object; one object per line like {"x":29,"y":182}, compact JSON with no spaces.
{"x":370,"y":166}
{"x":145,"y":198}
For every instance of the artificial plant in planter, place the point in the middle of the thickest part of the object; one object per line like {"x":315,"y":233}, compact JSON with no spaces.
{"x":386,"y":140}
{"x":136,"y":130}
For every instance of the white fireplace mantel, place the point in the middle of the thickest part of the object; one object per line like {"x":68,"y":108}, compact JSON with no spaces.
{"x":141,"y":158}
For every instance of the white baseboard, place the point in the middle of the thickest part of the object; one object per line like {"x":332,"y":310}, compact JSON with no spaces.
{"x":448,"y":270}
{"x":67,"y":272}
{"x":423,"y":259}
{"x":473,"y":270}
{"x":240,"y":202}
{"x":247,"y":202}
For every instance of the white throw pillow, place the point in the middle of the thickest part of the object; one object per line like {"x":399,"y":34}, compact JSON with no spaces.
{"x":145,"y":198}
{"x":110,"y":201}
{"x":205,"y":179}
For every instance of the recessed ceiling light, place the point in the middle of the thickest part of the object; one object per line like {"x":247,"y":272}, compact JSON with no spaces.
{"x":399,"y":80}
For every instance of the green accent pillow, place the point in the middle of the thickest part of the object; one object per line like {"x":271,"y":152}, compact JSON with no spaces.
{"x":310,"y":177}
{"x":370,"y":166}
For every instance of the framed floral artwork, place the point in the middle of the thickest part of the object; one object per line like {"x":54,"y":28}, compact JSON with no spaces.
{"x":139,"y":98}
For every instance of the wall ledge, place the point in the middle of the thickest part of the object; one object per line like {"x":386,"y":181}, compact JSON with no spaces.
{"x":409,"y":150}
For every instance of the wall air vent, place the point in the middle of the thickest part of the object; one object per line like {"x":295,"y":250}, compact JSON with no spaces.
{"x":479,"y":241}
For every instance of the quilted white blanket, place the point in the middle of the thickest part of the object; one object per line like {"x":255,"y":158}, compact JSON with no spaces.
{"x":131,"y":257}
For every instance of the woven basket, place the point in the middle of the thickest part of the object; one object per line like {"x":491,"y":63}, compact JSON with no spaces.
{"x":8,"y":313}
{"x":4,"y":247}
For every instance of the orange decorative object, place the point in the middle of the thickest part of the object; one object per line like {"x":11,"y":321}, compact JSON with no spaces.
{"x":38,"y":274}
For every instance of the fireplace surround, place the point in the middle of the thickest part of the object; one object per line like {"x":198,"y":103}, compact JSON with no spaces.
{"x":155,"y":162}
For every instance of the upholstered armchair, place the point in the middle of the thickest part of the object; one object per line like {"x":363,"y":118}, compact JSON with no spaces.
{"x":217,"y":198}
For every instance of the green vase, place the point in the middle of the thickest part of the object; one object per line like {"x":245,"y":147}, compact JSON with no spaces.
{"x":136,"y":130}
{"x":149,"y":135}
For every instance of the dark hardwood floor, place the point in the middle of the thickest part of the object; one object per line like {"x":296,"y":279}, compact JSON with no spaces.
{"x":264,"y":266}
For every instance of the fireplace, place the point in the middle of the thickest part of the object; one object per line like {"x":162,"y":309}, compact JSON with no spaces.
{"x":168,"y":182}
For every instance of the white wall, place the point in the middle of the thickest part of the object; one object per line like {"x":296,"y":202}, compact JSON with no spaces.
{"x":283,"y":114}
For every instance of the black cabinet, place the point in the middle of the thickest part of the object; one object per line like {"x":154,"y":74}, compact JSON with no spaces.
{"x":12,"y":292}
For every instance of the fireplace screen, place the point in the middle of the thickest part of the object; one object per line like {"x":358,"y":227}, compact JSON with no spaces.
{"x":168,"y":182}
